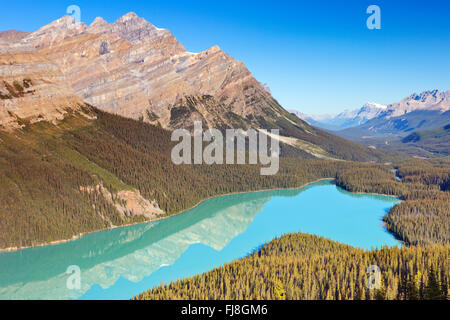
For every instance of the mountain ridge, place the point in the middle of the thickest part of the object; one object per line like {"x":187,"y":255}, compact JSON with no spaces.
{"x":345,"y":119}
{"x":427,"y":110}
{"x":150,"y":68}
{"x":133,"y":69}
{"x":427,"y":101}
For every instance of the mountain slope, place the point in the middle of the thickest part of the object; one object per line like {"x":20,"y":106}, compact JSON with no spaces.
{"x":130,"y":68}
{"x":93,"y":170}
{"x":134,"y":69}
{"x":432,"y":143}
{"x":403,"y":124}
{"x":12,"y":35}
{"x":429,"y":110}
{"x":32,"y":89}
{"x":305,"y":267}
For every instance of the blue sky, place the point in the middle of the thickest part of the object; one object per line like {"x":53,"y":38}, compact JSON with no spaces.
{"x":317,"y":56}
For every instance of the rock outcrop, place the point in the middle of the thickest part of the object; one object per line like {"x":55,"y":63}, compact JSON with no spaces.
{"x":432,"y":100}
{"x":32,"y":89}
{"x":12,"y":35}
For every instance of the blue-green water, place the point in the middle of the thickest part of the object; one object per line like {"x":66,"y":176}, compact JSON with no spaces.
{"x":120,"y":263}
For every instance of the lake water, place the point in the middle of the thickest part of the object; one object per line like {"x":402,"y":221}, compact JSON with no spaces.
{"x":120,"y":263}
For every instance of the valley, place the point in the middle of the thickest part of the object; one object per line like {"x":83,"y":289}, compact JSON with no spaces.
{"x":88,"y":115}
{"x":77,"y":170}
{"x":417,"y":125}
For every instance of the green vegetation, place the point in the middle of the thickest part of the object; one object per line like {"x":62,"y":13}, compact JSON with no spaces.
{"x":27,"y":83}
{"x":431,"y":143}
{"x":151,"y":116}
{"x":48,"y":172}
{"x":427,"y":134}
{"x":302,"y":266}
{"x":40,"y":191}
{"x":434,"y":141}
{"x":307,"y":267}
{"x":423,"y":217}
{"x":45,"y":171}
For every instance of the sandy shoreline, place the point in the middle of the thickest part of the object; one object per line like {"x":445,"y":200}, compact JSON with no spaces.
{"x":176,"y":214}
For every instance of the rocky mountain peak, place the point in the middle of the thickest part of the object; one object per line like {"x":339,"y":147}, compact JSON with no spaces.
{"x":127,"y":17}
{"x":132,"y":68}
{"x":430,"y":95}
{"x":61,"y":24}
{"x":431,"y":100}
{"x":32,"y":89}
{"x":54,"y":32}
{"x":136,"y":29}
{"x":99,"y":21}
{"x":374,"y":105}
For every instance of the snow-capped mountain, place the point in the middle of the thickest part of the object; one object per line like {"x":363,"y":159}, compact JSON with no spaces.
{"x":428,"y":110}
{"x":345,"y":119}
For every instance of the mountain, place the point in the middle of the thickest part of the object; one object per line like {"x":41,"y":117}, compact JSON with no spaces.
{"x":422,"y":117}
{"x":93,"y":170}
{"x":345,"y":119}
{"x":32,"y":89}
{"x":428,"y":110}
{"x":68,"y":168}
{"x":134,"y":69}
{"x":433,"y":143}
{"x":415,"y":125}
{"x":12,"y":35}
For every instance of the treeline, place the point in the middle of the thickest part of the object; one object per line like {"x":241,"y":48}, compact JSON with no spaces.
{"x":139,"y":155}
{"x":424,"y":214}
{"x":307,"y":267}
{"x":41,"y":200}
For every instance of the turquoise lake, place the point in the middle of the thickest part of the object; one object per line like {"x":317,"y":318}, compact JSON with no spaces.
{"x":120,"y":263}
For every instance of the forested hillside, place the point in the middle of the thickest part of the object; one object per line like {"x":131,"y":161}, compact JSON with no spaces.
{"x":91,"y":173}
{"x":303,"y":266}
{"x":424,"y":215}
{"x":306,"y":267}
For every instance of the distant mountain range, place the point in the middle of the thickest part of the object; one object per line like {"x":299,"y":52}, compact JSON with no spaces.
{"x":386,"y":127}
{"x":345,"y":119}
{"x":428,"y":110}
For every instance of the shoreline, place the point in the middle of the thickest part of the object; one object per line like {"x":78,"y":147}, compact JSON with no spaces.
{"x":372,"y":194}
{"x":76,"y":237}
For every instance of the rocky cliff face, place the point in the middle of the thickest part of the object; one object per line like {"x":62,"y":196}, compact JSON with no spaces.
{"x":12,"y":35}
{"x":432,"y":100}
{"x":32,"y":89}
{"x":137,"y":70}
